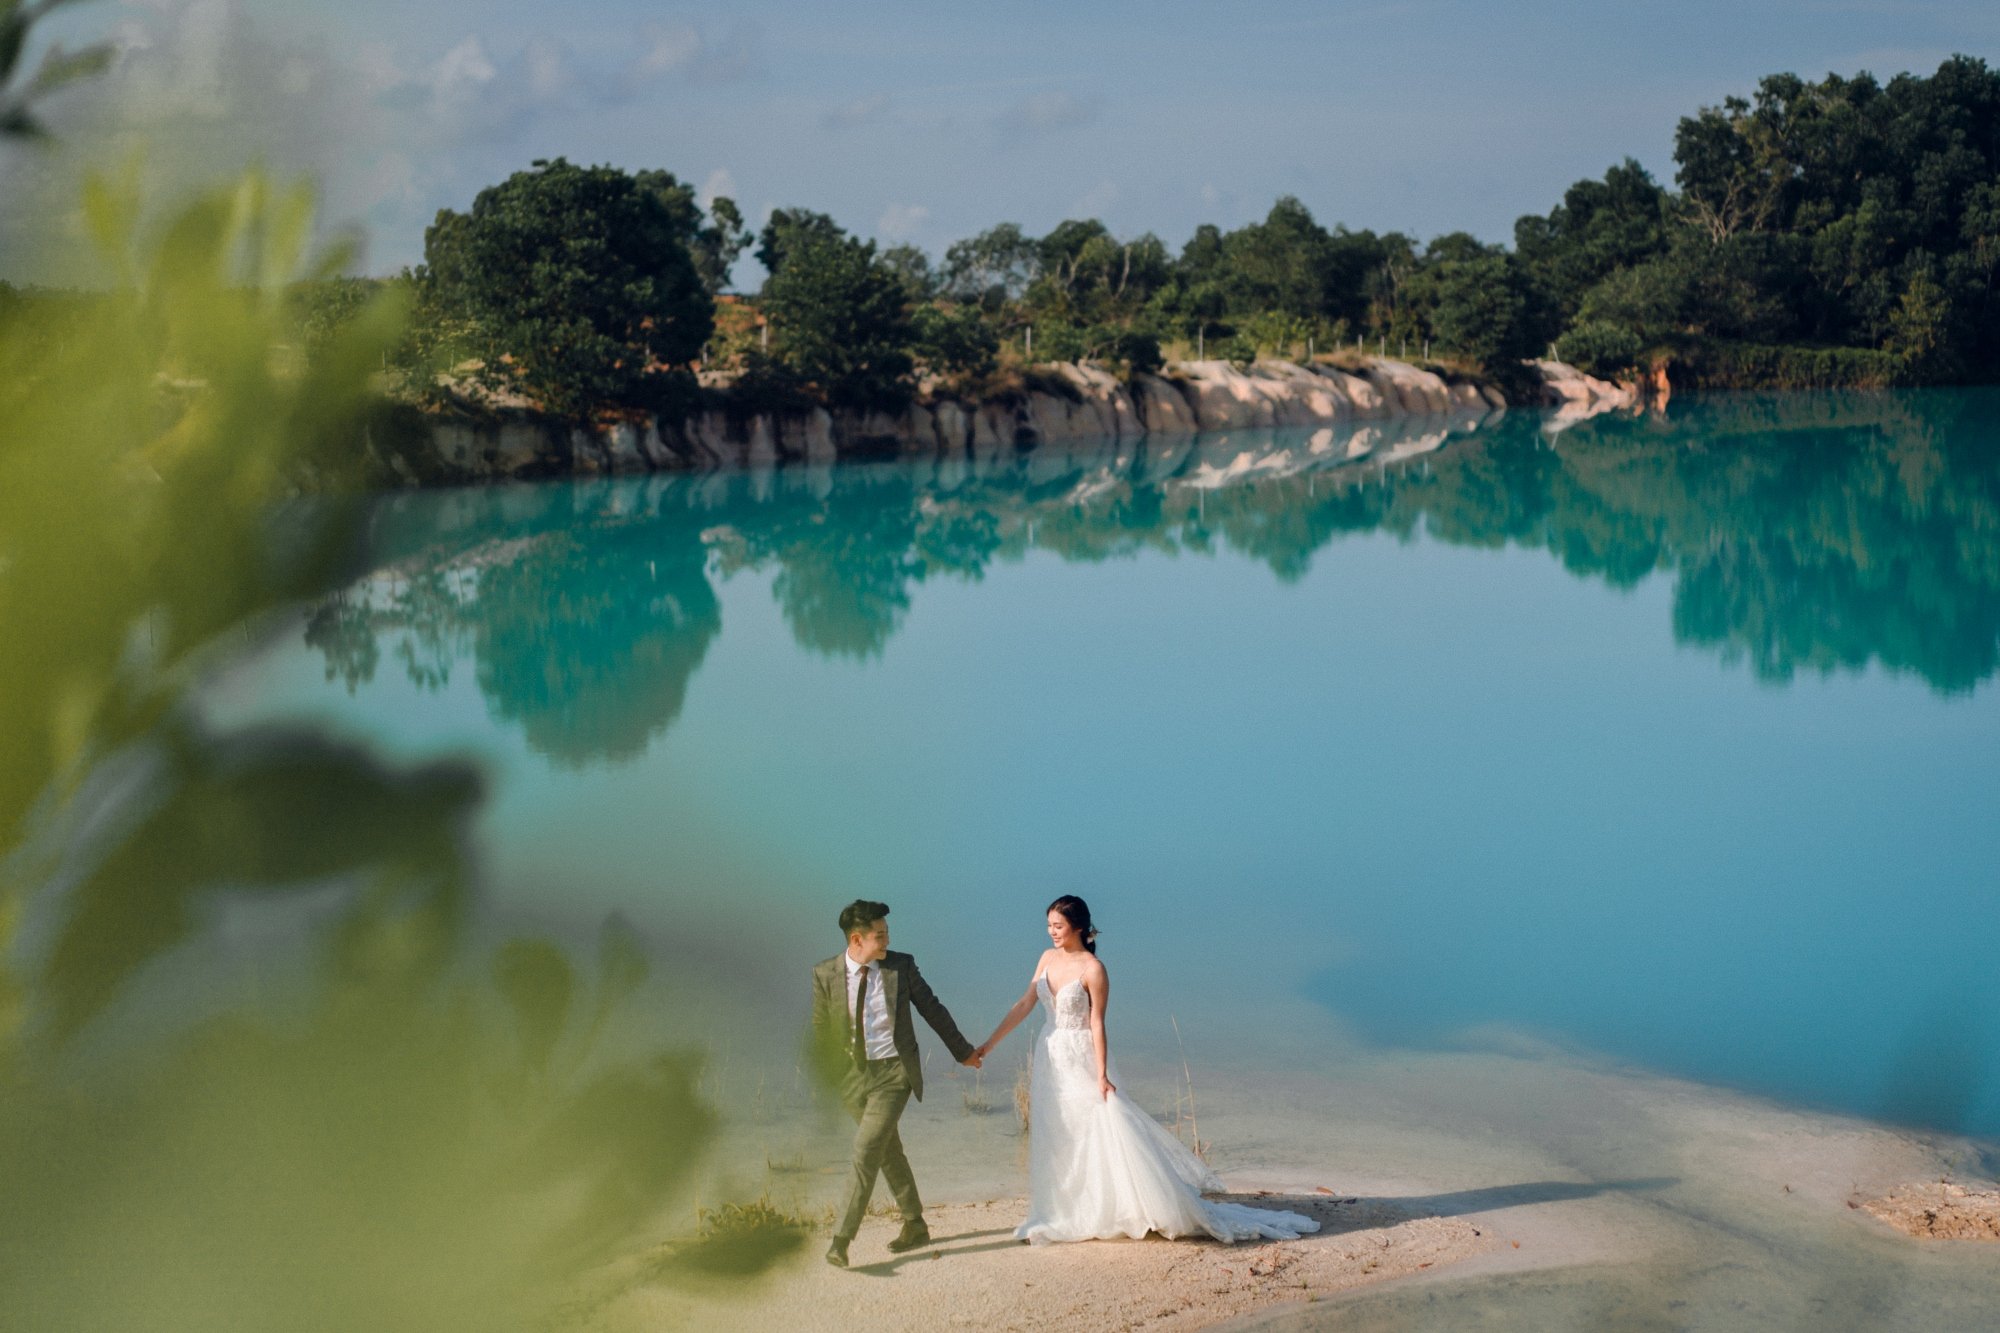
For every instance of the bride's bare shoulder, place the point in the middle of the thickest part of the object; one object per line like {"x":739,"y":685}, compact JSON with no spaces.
{"x":1093,"y":966}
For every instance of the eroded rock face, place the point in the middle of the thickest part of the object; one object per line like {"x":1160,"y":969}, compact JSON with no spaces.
{"x":1089,"y":404}
{"x":1161,"y":408}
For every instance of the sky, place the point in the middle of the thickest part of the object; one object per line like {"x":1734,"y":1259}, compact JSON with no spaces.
{"x":925,"y":123}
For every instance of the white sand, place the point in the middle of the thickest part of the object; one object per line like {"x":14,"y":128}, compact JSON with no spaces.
{"x":976,"y":1275}
{"x":1523,"y":1190}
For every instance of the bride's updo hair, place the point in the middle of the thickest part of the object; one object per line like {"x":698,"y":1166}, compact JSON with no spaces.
{"x":1077,"y":912}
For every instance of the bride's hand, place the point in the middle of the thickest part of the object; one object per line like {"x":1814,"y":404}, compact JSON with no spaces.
{"x":1105,"y":1087}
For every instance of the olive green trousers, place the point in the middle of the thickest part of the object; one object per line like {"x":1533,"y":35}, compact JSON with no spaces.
{"x":875,"y":1095}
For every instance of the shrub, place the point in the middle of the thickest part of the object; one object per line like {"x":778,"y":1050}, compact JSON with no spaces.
{"x":1599,"y":347}
{"x":956,"y":343}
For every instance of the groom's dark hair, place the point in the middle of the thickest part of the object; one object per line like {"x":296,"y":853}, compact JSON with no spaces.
{"x":861,"y":914}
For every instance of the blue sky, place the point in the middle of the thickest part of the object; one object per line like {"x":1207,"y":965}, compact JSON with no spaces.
{"x":927,"y":122}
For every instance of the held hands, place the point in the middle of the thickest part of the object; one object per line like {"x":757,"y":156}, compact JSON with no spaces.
{"x":976,"y":1059}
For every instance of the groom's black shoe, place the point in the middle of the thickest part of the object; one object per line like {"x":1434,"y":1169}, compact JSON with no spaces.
{"x":836,"y":1253}
{"x":914,"y":1235}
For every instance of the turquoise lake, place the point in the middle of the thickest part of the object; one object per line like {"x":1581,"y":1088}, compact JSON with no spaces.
{"x":1669,"y":741}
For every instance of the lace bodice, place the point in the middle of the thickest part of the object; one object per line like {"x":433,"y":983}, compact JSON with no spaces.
{"x":1068,"y":1007}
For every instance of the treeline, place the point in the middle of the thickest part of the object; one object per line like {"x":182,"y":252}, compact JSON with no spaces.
{"x":1841,"y":232}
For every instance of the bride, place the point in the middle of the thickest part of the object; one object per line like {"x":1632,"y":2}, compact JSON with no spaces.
{"x":1099,"y":1166}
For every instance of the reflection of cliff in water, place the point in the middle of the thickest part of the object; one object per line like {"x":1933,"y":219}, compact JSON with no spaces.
{"x":1802,"y":532}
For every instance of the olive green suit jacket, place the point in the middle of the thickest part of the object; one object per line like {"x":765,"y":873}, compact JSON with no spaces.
{"x":905,"y":989}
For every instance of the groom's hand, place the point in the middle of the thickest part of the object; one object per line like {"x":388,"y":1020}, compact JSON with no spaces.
{"x":974,"y":1060}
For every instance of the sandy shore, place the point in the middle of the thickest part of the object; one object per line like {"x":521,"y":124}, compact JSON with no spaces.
{"x":1523,"y":1189}
{"x":976,"y":1275}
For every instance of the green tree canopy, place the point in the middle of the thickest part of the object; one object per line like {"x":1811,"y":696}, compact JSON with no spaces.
{"x":993,"y":267}
{"x":584,"y":278}
{"x":840,"y":318}
{"x":787,"y":227}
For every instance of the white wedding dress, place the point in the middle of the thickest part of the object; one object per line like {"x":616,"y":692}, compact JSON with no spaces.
{"x":1099,"y":1167}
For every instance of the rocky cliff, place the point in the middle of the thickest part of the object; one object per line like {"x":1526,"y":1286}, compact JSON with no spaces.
{"x":1066,"y":403}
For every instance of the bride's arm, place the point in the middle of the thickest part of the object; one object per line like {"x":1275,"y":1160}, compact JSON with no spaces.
{"x":1022,"y":1008}
{"x":1098,"y":982}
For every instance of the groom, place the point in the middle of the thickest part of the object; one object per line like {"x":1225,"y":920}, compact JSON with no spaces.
{"x":866,"y":1045}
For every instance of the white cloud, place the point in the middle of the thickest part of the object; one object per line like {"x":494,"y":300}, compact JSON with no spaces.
{"x":201,"y":90}
{"x":899,"y":222}
{"x":669,"y":49}
{"x":719,"y":182}
{"x":197,"y":93}
{"x":697,"y":55}
{"x":551,"y":69}
{"x":461,"y":75}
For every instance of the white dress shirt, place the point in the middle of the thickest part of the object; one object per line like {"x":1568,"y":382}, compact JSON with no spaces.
{"x":876,"y":1031}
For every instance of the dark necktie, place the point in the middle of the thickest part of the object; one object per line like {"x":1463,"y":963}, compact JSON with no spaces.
{"x":860,"y":1015}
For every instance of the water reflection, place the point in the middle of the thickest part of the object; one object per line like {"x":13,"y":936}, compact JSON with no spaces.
{"x":1802,"y":533}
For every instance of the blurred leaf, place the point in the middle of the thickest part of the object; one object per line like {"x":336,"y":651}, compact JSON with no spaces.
{"x":60,"y":67}
{"x":536,"y":981}
{"x":13,"y":35}
{"x":621,"y":962}
{"x":623,"y":1143}
{"x":267,"y":809}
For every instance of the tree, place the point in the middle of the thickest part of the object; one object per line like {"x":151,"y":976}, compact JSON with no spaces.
{"x":1280,"y":263}
{"x":578,"y":284}
{"x":955,"y":342}
{"x":913,"y":268}
{"x":841,"y":319}
{"x":1478,"y":305}
{"x":1600,"y":226}
{"x":718,"y":244}
{"x":993,"y":267}
{"x":788,"y":227}
{"x":1920,"y":329}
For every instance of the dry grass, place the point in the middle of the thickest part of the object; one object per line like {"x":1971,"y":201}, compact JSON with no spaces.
{"x":1187,"y":1125}
{"x":973,"y":1100}
{"x":743,"y":1238}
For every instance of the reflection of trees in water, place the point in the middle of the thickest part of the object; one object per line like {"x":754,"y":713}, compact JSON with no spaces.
{"x":1870,"y":537}
{"x":1804,"y":533}
{"x":585,"y":636}
{"x":845,"y":561}
{"x":589,"y":641}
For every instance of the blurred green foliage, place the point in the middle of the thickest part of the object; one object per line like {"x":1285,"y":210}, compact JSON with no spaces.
{"x":58,"y":68}
{"x":354,"y":1116}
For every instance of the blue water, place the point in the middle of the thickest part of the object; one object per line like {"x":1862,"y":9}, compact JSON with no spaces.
{"x":1672,"y":741}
